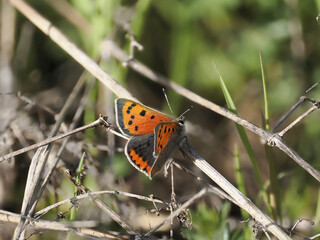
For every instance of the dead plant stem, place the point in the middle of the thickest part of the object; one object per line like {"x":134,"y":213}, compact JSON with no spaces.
{"x":53,"y":139}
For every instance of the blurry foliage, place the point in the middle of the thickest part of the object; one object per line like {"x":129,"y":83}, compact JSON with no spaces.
{"x":181,"y":39}
{"x":121,"y":167}
{"x":208,"y":223}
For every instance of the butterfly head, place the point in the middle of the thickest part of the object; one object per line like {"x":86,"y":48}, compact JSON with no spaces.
{"x":181,"y":120}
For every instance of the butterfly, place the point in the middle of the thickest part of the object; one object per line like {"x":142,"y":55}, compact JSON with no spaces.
{"x":153,"y":135}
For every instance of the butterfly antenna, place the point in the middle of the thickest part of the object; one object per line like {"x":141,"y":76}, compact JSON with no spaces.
{"x":165,"y":95}
{"x":186,"y":111}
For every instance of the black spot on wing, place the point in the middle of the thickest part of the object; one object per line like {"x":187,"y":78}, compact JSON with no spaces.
{"x":159,"y":133}
{"x":159,"y":145}
{"x":130,"y":107}
{"x":142,"y":113}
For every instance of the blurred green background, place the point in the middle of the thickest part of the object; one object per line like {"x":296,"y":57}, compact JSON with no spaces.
{"x":181,"y":40}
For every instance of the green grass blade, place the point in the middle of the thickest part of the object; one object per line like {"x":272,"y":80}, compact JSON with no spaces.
{"x":274,"y":196}
{"x":244,"y":139}
{"x":73,"y":211}
{"x":78,"y":181}
{"x":240,"y":178}
{"x":265,"y":95}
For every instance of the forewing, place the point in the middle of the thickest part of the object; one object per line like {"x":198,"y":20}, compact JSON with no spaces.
{"x":139,"y":151}
{"x":136,"y":119}
{"x":167,"y":137}
{"x":165,"y":133}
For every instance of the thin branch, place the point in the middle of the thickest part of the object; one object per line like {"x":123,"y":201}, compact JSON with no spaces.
{"x":80,"y":228}
{"x":286,"y":115}
{"x":86,"y":195}
{"x":299,"y":221}
{"x":277,"y":141}
{"x":314,"y":85}
{"x":99,"y":121}
{"x":315,"y":236}
{"x":299,"y":119}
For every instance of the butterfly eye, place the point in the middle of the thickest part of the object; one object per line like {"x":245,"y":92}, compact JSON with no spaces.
{"x":181,"y":120}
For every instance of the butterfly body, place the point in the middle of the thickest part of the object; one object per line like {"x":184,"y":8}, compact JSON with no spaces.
{"x":153,"y":135}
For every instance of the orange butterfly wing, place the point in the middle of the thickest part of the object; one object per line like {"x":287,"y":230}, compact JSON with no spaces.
{"x":164,"y":132}
{"x":136,"y":119}
{"x":167,"y":137}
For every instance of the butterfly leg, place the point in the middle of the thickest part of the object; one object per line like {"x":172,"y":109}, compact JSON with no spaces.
{"x":166,"y":166}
